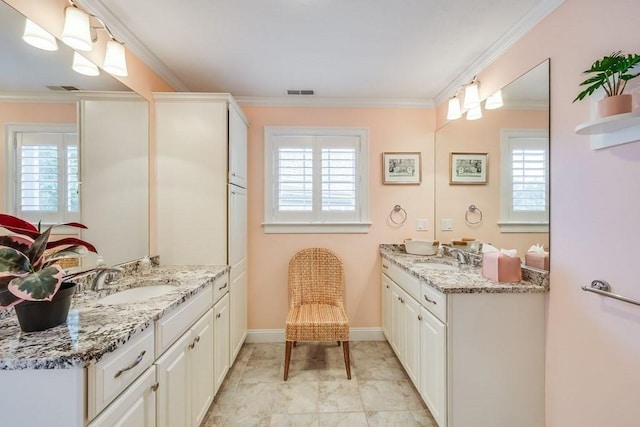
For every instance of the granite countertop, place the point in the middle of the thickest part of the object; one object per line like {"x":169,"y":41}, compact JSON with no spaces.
{"x":94,"y":330}
{"x":467,"y":278}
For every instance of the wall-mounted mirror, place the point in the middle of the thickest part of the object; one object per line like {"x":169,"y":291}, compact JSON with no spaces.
{"x":498,"y":165}
{"x":112,"y":130}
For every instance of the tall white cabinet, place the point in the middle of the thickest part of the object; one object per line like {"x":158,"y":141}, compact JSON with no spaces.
{"x":201,"y":175}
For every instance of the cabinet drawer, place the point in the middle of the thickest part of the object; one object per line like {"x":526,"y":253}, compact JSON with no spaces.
{"x":176,"y":322}
{"x":409,"y":283}
{"x":220,"y":287}
{"x":110,"y":376}
{"x":434,"y":301}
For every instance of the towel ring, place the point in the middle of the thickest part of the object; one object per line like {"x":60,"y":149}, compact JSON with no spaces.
{"x":473,"y":209}
{"x":399,"y":210}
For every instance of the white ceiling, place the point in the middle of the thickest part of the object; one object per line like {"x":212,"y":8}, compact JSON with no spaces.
{"x":411,"y":50}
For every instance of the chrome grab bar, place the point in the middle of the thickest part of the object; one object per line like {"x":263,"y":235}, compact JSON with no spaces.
{"x":601,"y":287}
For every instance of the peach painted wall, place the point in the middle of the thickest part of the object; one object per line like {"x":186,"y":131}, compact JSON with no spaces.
{"x":269,"y":254}
{"x":592,"y":350}
{"x":481,"y":136}
{"x":14,"y":112}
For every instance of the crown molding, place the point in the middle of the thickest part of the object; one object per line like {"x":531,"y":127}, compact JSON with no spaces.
{"x":537,"y":14}
{"x":39,"y":97}
{"x":331,"y":102}
{"x":132,"y":43}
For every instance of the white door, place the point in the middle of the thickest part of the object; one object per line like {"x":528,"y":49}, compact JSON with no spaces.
{"x":237,"y":225}
{"x":174,"y":391}
{"x":238,"y":263}
{"x":201,"y":367}
{"x":433,"y":369}
{"x":412,"y":339}
{"x":386,"y":306}
{"x":221,"y":340}
{"x":237,"y":148}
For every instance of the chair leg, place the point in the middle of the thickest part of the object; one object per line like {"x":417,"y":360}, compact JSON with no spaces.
{"x":347,"y":361}
{"x":294,"y":343}
{"x":287,"y":358}
{"x":338,"y":343}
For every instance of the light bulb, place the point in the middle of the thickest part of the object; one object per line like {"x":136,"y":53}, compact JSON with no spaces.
{"x":474,"y":113}
{"x":114,"y":59}
{"x":38,"y":37}
{"x":471,"y":96}
{"x":494,"y":101}
{"x":83,"y":66}
{"x":453,"y":112}
{"x":77,"y":31}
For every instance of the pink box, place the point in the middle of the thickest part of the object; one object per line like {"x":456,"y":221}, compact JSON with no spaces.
{"x":501,"y":268}
{"x":536,"y":260}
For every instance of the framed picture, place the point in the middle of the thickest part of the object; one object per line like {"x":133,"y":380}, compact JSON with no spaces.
{"x":401,"y":168}
{"x":468,"y":168}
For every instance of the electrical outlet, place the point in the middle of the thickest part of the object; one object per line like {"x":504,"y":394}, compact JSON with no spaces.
{"x":447,"y":224}
{"x":422,"y":224}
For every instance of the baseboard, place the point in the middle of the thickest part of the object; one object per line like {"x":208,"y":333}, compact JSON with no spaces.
{"x":277,"y":335}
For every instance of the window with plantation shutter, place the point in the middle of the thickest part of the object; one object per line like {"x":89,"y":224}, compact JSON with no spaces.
{"x":44,"y":168}
{"x":316,"y":180}
{"x":524,"y":183}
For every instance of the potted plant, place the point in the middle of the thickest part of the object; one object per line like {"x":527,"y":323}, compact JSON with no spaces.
{"x":611,"y":73}
{"x":30,"y":279}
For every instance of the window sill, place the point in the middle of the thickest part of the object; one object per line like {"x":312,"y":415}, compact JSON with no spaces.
{"x":317,"y":228}
{"x":523,"y":227}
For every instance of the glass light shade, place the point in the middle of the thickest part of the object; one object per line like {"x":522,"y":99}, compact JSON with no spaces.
{"x":494,"y":101}
{"x":453,"y":112}
{"x":471,"y":96}
{"x":77,"y":31}
{"x":114,"y":59}
{"x":38,"y":37}
{"x":474,"y":113}
{"x":83,"y":66}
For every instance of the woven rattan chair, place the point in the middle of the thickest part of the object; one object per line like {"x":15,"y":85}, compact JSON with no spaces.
{"x":316,"y":309}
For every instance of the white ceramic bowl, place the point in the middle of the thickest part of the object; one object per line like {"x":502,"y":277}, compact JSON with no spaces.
{"x":420,"y":247}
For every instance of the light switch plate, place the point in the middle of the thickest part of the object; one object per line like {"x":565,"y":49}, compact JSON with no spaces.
{"x":422,"y":224}
{"x":447,"y":224}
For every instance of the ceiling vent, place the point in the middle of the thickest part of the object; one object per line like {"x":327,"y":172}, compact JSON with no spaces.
{"x":300,"y":92}
{"x":62,"y":88}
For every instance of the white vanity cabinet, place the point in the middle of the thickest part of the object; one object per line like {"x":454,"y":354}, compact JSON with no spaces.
{"x":238,"y":263}
{"x":221,"y":359}
{"x":387,"y":283}
{"x":433,"y":365}
{"x":406,"y":331}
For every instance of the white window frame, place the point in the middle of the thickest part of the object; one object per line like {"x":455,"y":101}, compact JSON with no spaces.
{"x":510,"y":222}
{"x":331,"y":223}
{"x":11,"y":180}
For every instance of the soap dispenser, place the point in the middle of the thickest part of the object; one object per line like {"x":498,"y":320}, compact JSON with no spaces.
{"x":145,"y":266}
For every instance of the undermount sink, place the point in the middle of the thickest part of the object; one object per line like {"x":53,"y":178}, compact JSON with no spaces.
{"x":136,"y":294}
{"x":438,"y":266}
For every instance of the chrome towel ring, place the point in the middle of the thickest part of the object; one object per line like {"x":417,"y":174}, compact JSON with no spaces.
{"x":473,"y":215}
{"x":398,"y":211}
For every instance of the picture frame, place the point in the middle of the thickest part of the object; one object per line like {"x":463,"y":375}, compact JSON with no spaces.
{"x":468,"y":168}
{"x":401,"y":168}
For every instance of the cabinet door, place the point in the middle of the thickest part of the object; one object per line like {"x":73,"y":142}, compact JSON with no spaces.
{"x":412,"y":339}
{"x":174,"y":392}
{"x":201,"y":367}
{"x":397,"y":321}
{"x":221,"y":340}
{"x":238,"y":310}
{"x":136,"y":407}
{"x":386,"y":306}
{"x":237,"y":252}
{"x":433,"y":369}
{"x":237,"y":148}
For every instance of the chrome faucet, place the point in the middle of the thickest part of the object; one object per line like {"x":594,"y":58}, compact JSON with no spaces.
{"x":105,"y":276}
{"x":458,"y":254}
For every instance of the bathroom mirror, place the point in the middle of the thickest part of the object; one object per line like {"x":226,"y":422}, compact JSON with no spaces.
{"x":114,"y":206}
{"x":478,"y":205}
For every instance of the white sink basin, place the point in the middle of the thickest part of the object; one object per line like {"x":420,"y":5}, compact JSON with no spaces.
{"x":437,"y":266}
{"x":136,"y":294}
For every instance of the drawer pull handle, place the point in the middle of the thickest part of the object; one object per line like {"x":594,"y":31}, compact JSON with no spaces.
{"x":434,"y":302}
{"x":195,"y":341}
{"x":133,"y":365}
{"x":387,"y":286}
{"x":155,"y":387}
{"x":419,"y":318}
{"x":385,"y":266}
{"x":225,"y":285}
{"x":218,"y":315}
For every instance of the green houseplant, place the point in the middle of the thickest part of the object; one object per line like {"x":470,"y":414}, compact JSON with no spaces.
{"x":29,"y":273}
{"x":611,"y":73}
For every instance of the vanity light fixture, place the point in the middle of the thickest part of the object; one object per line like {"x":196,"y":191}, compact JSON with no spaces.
{"x":76,"y":32}
{"x":83,"y":66}
{"x":38,"y":37}
{"x":474,"y":113}
{"x":471,"y":95}
{"x":494,"y":101}
{"x":454,"y":112}
{"x":114,"y":60}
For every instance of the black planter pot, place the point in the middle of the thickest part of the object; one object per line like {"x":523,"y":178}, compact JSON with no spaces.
{"x":40,"y":315}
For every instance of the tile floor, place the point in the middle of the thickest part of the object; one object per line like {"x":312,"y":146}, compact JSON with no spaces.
{"x":317,"y":392}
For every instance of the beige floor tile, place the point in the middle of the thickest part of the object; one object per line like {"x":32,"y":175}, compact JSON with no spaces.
{"x":303,"y":370}
{"x":340,"y":396}
{"x":260,"y":371}
{"x":384,"y":369}
{"x":252,"y":398}
{"x":424,"y":418}
{"x":391,"y":418}
{"x":245,"y":420}
{"x":294,"y":420}
{"x":343,"y":419}
{"x":296,"y":398}
{"x":270,"y":351}
{"x":389,"y":396}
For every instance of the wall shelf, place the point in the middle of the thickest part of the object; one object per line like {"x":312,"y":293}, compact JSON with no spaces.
{"x":612,"y":130}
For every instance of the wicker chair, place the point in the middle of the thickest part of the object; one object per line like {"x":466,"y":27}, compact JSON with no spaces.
{"x":316,"y":309}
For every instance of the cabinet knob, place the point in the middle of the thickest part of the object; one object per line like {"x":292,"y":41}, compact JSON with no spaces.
{"x":385,"y":266}
{"x":155,"y":387}
{"x":434,"y":302}
{"x":387,"y":286}
{"x":419,"y":318}
{"x":218,"y":315}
